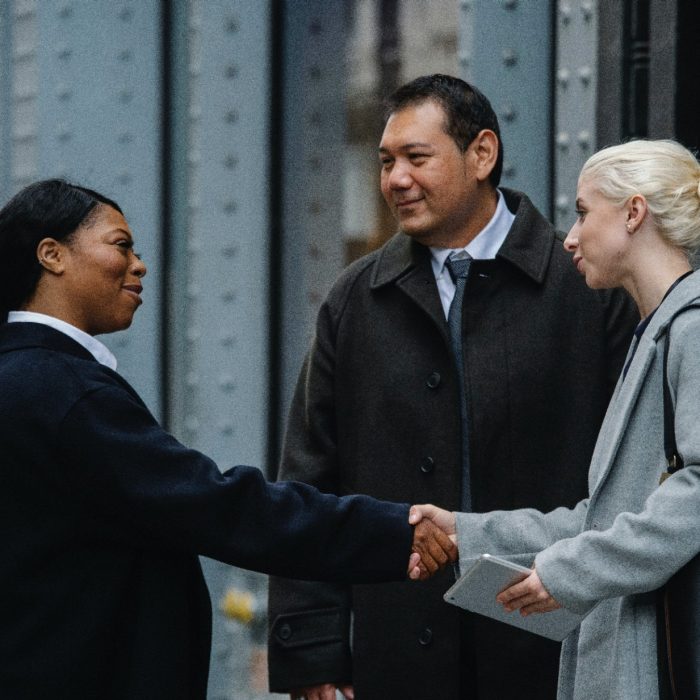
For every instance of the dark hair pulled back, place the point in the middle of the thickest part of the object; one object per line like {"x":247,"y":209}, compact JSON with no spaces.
{"x":45,"y":209}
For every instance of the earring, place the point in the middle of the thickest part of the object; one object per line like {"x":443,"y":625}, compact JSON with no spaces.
{"x":629,"y":228}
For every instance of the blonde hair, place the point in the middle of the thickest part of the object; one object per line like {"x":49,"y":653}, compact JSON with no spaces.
{"x":665,"y":173}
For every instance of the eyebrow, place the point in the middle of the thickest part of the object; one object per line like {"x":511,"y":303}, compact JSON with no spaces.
{"x":407,"y":146}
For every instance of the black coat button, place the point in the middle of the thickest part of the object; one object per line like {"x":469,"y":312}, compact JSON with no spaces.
{"x":285,"y":632}
{"x":433,"y":380}
{"x":427,"y":465}
{"x":425,"y":637}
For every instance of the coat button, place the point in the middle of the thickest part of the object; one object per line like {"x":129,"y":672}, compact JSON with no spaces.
{"x":285,"y":632}
{"x":425,"y":637}
{"x":433,"y":380}
{"x":427,"y":465}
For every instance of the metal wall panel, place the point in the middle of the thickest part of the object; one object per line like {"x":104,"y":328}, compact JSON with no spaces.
{"x":219,"y":287}
{"x":506,"y":50}
{"x":576,"y":88}
{"x":314,"y":136}
{"x":83,"y":77}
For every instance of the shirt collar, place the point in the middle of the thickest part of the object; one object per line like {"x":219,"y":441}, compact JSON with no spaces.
{"x":486,"y":243}
{"x":97,"y":349}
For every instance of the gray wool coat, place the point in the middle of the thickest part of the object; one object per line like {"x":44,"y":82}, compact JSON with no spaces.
{"x":606,"y":556}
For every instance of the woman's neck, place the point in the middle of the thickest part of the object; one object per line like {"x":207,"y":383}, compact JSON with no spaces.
{"x":651,"y":283}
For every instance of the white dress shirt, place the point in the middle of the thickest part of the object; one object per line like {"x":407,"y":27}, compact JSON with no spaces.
{"x":97,"y":349}
{"x":484,"y":246}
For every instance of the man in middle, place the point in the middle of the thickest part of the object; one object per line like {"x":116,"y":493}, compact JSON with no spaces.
{"x":383,"y":408}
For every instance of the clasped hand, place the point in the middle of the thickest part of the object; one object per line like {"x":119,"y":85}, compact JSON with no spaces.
{"x":434,"y":539}
{"x":529,"y":595}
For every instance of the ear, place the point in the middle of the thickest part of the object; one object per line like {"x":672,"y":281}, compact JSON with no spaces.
{"x":485,"y":150}
{"x":50,"y":254}
{"x":636,"y":210}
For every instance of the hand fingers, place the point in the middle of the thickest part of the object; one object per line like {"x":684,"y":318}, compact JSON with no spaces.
{"x":347,"y":691}
{"x":432,"y":543}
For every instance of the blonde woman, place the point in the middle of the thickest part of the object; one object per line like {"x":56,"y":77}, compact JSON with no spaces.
{"x":638,"y":226}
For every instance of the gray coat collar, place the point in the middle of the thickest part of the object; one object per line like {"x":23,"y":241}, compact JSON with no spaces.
{"x":528,"y":252}
{"x":685,"y":293}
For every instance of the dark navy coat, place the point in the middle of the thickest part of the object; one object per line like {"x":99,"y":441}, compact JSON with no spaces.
{"x":103,"y":514}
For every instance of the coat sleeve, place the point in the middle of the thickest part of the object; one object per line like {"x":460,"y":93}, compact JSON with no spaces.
{"x":148,"y":490}
{"x":309,"y":641}
{"x":640,"y":551}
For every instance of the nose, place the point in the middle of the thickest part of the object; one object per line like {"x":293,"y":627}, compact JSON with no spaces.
{"x":399,"y":177}
{"x":138,"y":266}
{"x":571,"y":240}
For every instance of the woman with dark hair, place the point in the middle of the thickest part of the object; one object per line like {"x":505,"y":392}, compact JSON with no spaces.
{"x":102,"y":512}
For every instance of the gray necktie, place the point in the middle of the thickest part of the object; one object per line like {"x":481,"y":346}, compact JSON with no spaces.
{"x":459,"y":271}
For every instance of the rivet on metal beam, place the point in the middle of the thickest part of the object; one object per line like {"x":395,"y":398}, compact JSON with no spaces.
{"x":231,"y":72}
{"x":125,"y":14}
{"x":585,"y":73}
{"x":65,"y":12}
{"x":64,"y":53}
{"x":563,"y":77}
{"x":466,"y":5}
{"x":465,"y":58}
{"x":230,"y":161}
{"x":563,"y":140}
{"x":587,"y":9}
{"x":232,"y":25}
{"x":227,"y":383}
{"x":584,"y":139}
{"x":510,"y":57}
{"x":510,"y":4}
{"x":231,"y":116}
{"x":230,"y":207}
{"x":509,"y":113}
{"x":565,"y":12}
{"x":509,"y":170}
{"x":562,"y":203}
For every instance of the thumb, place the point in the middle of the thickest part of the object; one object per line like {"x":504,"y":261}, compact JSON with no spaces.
{"x":415,"y":515}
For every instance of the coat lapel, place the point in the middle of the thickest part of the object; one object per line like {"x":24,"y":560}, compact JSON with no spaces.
{"x":406,"y":264}
{"x":619,"y":411}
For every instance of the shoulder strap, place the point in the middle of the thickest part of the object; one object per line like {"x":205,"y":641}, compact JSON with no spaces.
{"x":673,"y":460}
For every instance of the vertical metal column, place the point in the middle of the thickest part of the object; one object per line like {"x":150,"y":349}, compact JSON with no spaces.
{"x":506,"y":50}
{"x":219,"y":286}
{"x":312,"y":245}
{"x":576,"y":83}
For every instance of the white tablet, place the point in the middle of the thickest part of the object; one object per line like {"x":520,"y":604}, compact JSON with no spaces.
{"x":477,"y":589}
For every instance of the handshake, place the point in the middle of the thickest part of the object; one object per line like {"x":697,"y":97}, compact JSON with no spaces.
{"x":434,"y":537}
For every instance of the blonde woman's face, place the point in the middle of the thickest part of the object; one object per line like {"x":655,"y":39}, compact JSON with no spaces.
{"x":598,"y":239}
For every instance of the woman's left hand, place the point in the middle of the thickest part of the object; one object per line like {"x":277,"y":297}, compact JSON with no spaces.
{"x":528,"y":596}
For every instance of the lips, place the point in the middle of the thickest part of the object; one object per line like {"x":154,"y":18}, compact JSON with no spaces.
{"x":577,"y":262}
{"x":408,"y":202}
{"x":134,"y":289}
